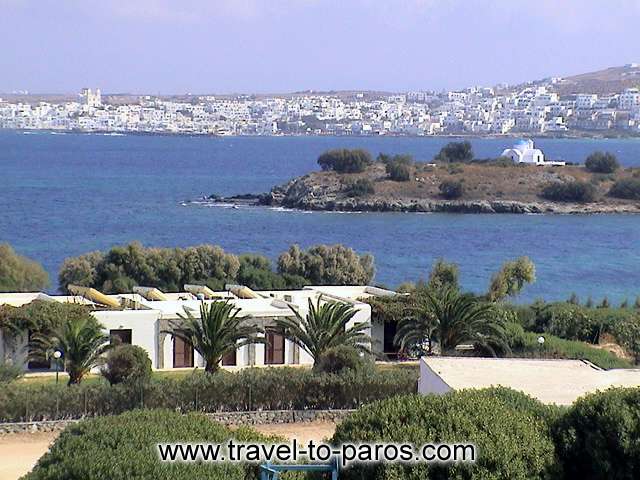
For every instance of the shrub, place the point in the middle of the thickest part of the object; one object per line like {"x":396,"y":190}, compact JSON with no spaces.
{"x":601,"y":162}
{"x":249,"y":389}
{"x":451,"y":189}
{"x":127,"y":363}
{"x":573,"y":191}
{"x":20,"y":274}
{"x":398,"y":172}
{"x":525,"y":344}
{"x":345,"y":161}
{"x":9,"y":372}
{"x":598,"y":437}
{"x":511,"y":443}
{"x":454,"y":152}
{"x":627,"y":334}
{"x":124,"y":448}
{"x":628,"y":188}
{"x":344,"y":357}
{"x":360,"y":188}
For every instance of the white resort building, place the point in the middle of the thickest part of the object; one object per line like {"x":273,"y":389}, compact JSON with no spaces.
{"x":525,"y":152}
{"x":142,"y":318}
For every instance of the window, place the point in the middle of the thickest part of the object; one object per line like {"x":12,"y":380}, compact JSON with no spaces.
{"x":182,"y":353}
{"x":120,"y":336}
{"x":230,"y":359}
{"x":274,"y":349}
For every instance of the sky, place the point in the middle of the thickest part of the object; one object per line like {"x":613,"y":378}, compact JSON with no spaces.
{"x":277,"y":46}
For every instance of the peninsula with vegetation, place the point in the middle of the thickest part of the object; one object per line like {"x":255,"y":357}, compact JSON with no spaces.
{"x":518,"y":181}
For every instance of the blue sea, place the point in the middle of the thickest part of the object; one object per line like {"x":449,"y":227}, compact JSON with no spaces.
{"x":66,"y":194}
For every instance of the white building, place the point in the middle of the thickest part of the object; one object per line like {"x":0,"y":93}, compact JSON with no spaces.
{"x":551,"y":381}
{"x":525,"y":152}
{"x":91,"y":99}
{"x":629,"y":99}
{"x":586,"y":100}
{"x":143,"y":319}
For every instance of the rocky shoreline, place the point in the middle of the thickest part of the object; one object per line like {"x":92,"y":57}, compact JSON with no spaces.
{"x":309,"y":194}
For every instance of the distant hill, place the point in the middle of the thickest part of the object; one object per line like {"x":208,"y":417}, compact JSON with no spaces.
{"x":603,"y":82}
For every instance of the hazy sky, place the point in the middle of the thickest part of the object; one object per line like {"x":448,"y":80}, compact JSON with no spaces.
{"x":223,"y":46}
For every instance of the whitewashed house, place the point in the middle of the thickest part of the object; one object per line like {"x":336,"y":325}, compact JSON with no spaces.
{"x":143,"y":318}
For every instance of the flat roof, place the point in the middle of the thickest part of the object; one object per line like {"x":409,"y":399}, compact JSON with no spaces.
{"x":551,"y":381}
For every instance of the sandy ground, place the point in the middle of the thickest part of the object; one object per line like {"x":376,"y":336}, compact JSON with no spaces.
{"x":20,"y":452}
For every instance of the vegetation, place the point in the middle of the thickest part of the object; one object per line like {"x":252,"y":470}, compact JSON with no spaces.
{"x":343,"y":357}
{"x":124,"y":448}
{"x":282,"y":388}
{"x":513,"y":442}
{"x":324,"y":327}
{"x":455,"y":152}
{"x":19,"y":274}
{"x":627,"y":188}
{"x":80,"y":340}
{"x":451,"y":189}
{"x":169,"y":269}
{"x":601,"y":162}
{"x":218,"y":331}
{"x":345,"y":161}
{"x":452,"y":319}
{"x":573,"y":191}
{"x":598,"y":437}
{"x":360,"y":188}
{"x":444,"y":275}
{"x":9,"y":372}
{"x":398,"y":167}
{"x":327,"y":265}
{"x":511,"y":279}
{"x":127,"y":363}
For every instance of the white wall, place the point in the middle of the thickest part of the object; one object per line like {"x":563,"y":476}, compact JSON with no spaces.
{"x":430,"y":381}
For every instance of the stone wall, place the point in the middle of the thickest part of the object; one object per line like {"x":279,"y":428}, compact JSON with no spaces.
{"x":228,"y":418}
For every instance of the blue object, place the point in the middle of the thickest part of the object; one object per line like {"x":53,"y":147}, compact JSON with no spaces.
{"x":269,"y":471}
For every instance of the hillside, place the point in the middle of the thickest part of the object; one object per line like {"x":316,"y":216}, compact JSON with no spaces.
{"x":603,"y":82}
{"x":488,"y":188}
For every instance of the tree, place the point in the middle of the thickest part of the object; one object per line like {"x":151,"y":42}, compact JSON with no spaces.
{"x":217,"y":332}
{"x":327,"y":265}
{"x":325,"y":327}
{"x":81,"y":341}
{"x":452,"y":319}
{"x":573,"y":299}
{"x":602,"y":162}
{"x":345,"y":161}
{"x":81,"y":270}
{"x":398,"y":167}
{"x":451,"y":190}
{"x":444,"y":275}
{"x":20,"y":274}
{"x":511,"y":279}
{"x":126,"y":363}
{"x":454,"y":152}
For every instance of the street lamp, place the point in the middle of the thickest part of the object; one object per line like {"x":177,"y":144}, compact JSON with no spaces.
{"x":541,"y":340}
{"x":57,"y":354}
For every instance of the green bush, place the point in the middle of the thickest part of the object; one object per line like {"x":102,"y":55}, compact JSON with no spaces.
{"x":249,"y":389}
{"x":360,"y":188}
{"x":628,"y":188}
{"x":512,"y":442}
{"x":20,"y":274}
{"x":345,"y":161}
{"x":9,"y":372}
{"x":127,"y":363}
{"x":525,"y":344}
{"x":573,"y":191}
{"x":343,"y":357}
{"x":398,"y":172}
{"x":124,"y":448}
{"x":599,"y":437}
{"x":601,"y":162}
{"x":454,"y":152}
{"x":451,"y":189}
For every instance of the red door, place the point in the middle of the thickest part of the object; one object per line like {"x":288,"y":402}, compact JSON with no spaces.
{"x":274,"y":349}
{"x":182,"y":353}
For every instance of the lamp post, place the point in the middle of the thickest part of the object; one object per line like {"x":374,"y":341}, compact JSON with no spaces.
{"x":57,"y":354}
{"x":541,"y":343}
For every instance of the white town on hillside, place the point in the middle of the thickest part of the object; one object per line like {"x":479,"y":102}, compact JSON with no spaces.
{"x":532,"y":108}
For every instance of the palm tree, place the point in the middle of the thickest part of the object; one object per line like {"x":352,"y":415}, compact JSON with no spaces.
{"x":452,"y":319}
{"x":81,"y":341}
{"x":218,"y":331}
{"x":325,"y":327}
